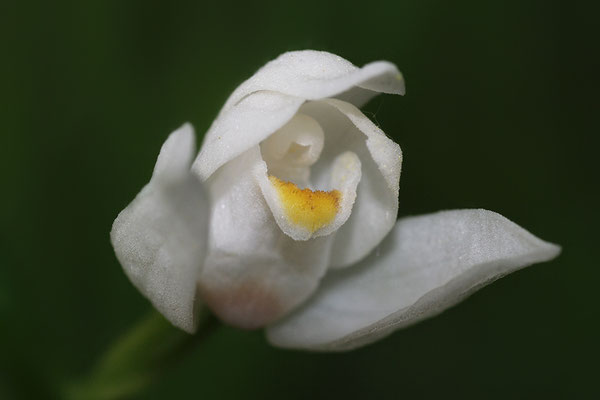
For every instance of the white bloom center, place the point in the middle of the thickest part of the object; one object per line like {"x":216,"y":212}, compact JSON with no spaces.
{"x":293,"y":148}
{"x":301,"y":210}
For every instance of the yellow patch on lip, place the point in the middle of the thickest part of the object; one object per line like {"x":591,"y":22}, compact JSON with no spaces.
{"x":310,"y":209}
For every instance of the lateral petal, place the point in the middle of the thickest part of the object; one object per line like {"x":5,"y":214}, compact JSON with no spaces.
{"x":376,"y":206}
{"x":160,"y":237}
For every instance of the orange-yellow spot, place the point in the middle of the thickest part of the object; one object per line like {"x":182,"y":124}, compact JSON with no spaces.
{"x":309,"y":209}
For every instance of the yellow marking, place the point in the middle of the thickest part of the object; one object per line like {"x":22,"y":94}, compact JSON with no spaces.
{"x":311,"y":210}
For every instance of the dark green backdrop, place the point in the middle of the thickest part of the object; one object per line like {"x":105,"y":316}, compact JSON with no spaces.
{"x":499,"y":114}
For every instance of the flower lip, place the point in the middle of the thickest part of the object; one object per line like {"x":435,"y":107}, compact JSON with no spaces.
{"x":309,"y":209}
{"x":303,"y":214}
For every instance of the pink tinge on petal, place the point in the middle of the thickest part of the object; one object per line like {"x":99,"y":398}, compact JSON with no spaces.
{"x":249,"y":305}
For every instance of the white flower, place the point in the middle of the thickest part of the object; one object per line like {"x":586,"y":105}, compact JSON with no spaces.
{"x":301,"y":184}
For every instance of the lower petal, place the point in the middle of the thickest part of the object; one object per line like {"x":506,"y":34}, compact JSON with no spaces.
{"x":426,"y":264}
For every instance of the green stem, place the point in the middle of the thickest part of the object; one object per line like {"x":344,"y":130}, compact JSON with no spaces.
{"x":136,"y":359}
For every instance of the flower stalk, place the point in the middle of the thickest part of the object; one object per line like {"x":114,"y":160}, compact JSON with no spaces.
{"x":138,"y":358}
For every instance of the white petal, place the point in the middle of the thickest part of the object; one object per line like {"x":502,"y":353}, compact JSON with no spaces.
{"x":160,"y":237}
{"x":176,"y":154}
{"x":254,"y":273}
{"x":242,"y":127}
{"x":427,"y":264}
{"x":291,"y":150}
{"x":375,"y":210}
{"x":298,"y":143}
{"x":270,"y":98}
{"x":313,"y":75}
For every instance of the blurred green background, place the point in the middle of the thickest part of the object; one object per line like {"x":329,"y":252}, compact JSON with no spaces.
{"x":499,"y":113}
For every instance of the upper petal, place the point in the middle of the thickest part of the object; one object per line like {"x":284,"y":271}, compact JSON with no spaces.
{"x":160,"y":237}
{"x":242,"y":127}
{"x":313,"y":75}
{"x":427,"y":264}
{"x":270,"y":98}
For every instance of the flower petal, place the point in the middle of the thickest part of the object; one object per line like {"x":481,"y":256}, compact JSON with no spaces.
{"x":176,"y":154}
{"x":313,"y":75}
{"x":376,"y":206}
{"x":291,"y":150}
{"x":427,"y":264}
{"x":242,"y":127}
{"x":254,"y":273}
{"x":270,"y":98}
{"x":160,"y":237}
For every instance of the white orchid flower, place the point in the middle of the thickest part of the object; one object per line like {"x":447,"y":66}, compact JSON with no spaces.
{"x":287,"y":217}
